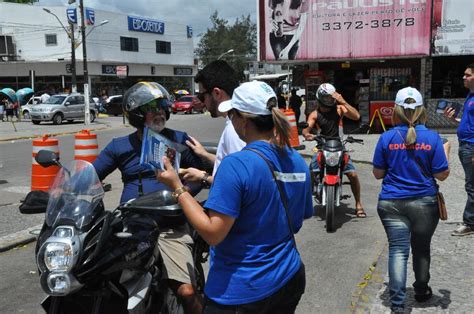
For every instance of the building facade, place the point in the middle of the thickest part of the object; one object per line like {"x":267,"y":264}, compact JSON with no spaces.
{"x":35,"y":49}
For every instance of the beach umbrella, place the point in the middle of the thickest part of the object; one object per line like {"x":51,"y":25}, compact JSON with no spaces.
{"x":181,"y":92}
{"x":24,"y":94}
{"x":9,"y":93}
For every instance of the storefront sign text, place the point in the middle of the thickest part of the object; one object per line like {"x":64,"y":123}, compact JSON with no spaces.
{"x":144,"y":25}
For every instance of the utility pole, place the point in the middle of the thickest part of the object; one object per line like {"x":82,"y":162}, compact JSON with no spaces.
{"x":73,"y":60}
{"x":86,"y":73}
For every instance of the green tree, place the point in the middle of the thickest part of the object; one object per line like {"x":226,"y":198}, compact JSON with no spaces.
{"x":221,"y":37}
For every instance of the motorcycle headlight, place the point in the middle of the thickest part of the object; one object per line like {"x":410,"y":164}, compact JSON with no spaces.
{"x":59,"y":283}
{"x":58,"y":256}
{"x":332,"y":158}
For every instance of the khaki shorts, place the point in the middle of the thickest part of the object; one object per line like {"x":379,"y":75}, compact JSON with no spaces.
{"x":175,"y":246}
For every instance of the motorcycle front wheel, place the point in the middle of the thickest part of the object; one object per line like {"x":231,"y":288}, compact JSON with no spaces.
{"x":330,"y":204}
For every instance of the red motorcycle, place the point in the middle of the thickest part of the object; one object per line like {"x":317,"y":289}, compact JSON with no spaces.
{"x":332,"y":157}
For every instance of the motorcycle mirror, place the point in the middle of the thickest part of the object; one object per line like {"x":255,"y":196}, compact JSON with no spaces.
{"x":47,"y":158}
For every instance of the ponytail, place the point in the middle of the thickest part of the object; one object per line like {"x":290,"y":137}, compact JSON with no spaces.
{"x":282,"y":128}
{"x":410,"y":117}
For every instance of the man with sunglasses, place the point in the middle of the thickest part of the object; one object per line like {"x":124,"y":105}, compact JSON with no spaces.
{"x":327,"y":119}
{"x":217,"y":82}
{"x":147,"y":104}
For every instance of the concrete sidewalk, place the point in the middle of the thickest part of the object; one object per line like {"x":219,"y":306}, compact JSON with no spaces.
{"x":25,"y":129}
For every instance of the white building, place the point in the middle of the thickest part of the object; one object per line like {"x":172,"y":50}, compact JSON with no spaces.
{"x":35,"y":48}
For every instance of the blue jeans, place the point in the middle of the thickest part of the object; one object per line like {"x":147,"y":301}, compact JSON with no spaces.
{"x":410,"y":221}
{"x":466,"y":156}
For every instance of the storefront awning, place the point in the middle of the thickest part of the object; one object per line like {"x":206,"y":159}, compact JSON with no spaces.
{"x":270,"y":76}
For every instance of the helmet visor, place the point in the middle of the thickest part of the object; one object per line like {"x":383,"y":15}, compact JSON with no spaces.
{"x":156,"y":105}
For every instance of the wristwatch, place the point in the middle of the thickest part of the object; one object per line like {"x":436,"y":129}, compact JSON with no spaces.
{"x":179,"y":191}
{"x":204,"y":181}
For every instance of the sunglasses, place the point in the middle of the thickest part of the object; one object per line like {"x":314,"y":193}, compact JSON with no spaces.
{"x":156,"y":105}
{"x":202,"y":95}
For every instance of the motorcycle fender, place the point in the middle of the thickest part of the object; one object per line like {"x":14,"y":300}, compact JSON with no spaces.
{"x":331,"y":179}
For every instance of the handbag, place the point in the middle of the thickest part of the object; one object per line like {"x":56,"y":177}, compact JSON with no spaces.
{"x":284,"y":199}
{"x":443,"y":213}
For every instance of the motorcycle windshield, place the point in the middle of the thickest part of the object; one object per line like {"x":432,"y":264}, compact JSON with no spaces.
{"x":74,"y":195}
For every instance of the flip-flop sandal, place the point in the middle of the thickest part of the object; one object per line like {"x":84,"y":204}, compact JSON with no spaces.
{"x":360,"y":213}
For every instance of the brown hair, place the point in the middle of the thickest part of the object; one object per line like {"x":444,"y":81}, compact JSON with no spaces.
{"x":410,"y":117}
{"x":277,"y":121}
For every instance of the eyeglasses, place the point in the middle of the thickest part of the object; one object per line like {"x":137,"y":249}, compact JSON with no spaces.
{"x":202,"y":95}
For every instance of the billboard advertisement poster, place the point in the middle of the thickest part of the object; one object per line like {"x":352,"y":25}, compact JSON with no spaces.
{"x":385,"y":108}
{"x":343,"y":29}
{"x":453,"y":27}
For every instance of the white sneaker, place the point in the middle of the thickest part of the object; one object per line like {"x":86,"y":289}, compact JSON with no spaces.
{"x":463,"y":230}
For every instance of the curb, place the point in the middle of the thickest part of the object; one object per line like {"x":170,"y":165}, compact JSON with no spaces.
{"x":28,"y":137}
{"x":18,"y":238}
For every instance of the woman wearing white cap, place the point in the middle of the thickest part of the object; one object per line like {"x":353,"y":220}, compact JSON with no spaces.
{"x":408,"y":158}
{"x":255,"y":266}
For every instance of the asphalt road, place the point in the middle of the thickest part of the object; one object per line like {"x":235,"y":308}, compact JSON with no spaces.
{"x":336,"y":263}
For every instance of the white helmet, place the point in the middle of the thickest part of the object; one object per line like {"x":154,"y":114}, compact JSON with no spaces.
{"x":324,"y":95}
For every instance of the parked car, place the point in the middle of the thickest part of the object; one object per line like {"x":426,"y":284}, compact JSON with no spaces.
{"x":188,"y":104}
{"x":113,"y":105}
{"x":62,"y":107}
{"x":26,"y":109}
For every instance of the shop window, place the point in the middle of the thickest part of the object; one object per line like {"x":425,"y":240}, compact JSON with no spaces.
{"x":163,"y":47}
{"x":260,"y":65}
{"x":128,"y":44}
{"x":51,"y":39}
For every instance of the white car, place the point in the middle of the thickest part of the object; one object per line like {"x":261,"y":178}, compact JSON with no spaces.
{"x":26,"y":109}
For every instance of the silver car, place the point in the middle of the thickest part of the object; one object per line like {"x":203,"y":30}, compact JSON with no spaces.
{"x":62,"y":107}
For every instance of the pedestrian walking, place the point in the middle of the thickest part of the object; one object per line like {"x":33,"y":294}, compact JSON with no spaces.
{"x":295,"y":104}
{"x":2,"y":110}
{"x":466,"y":151}
{"x":409,"y":157}
{"x":255,"y":266}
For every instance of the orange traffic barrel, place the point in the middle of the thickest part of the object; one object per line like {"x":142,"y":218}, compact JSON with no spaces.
{"x":294,"y":139}
{"x":86,"y":146}
{"x":42,"y":178}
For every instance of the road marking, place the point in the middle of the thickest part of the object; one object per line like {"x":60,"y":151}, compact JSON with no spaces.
{"x":18,"y":189}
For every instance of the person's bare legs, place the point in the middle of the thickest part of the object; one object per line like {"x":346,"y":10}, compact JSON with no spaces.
{"x":191,"y":301}
{"x":355,"y":187}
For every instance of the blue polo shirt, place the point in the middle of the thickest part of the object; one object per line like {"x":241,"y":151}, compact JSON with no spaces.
{"x":257,"y":257}
{"x":404,"y":178}
{"x":466,"y":127}
{"x":123,"y":153}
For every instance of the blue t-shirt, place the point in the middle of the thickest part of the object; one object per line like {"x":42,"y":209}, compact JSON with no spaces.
{"x":404,"y":178}
{"x":466,"y":127}
{"x":124,"y":153}
{"x":257,"y":257}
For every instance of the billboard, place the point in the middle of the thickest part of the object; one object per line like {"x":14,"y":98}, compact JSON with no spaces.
{"x":343,"y":29}
{"x":453,"y":27}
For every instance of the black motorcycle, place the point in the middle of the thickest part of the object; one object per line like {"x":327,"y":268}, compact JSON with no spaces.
{"x":96,"y":261}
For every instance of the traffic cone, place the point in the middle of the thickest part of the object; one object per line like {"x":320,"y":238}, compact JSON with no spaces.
{"x":86,"y":146}
{"x":42,"y":178}
{"x":294,"y":139}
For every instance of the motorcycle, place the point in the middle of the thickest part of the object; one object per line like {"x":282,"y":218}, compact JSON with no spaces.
{"x":95,"y":261}
{"x":332,"y":157}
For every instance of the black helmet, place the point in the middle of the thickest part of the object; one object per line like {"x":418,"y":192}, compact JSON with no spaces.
{"x":324,"y":95}
{"x":142,"y":94}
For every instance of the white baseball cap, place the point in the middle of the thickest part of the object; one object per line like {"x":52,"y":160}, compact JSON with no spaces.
{"x":251,"y":97}
{"x":409,"y":92}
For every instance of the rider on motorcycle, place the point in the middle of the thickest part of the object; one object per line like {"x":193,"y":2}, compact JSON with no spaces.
{"x":147,"y":104}
{"x":327,"y":118}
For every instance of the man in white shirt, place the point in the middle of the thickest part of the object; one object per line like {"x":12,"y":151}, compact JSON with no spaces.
{"x":217,"y":82}
{"x":44,"y":97}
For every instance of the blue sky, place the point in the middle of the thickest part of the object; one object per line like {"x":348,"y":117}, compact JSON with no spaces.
{"x":190,"y":12}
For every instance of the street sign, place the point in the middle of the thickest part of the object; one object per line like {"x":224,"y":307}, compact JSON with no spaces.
{"x":90,"y":16}
{"x":122,"y":71}
{"x":72,"y":15}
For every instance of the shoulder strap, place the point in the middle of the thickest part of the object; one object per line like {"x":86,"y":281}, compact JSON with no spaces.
{"x":284,"y":200}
